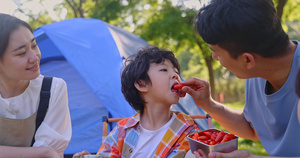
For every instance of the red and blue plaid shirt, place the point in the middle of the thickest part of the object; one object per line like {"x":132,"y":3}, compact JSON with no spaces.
{"x":122,"y":139}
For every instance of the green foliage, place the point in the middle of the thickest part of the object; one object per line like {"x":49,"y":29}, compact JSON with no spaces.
{"x":291,"y":11}
{"x":183,"y":59}
{"x":167,"y":26}
{"x":43,"y":20}
{"x":291,"y":18}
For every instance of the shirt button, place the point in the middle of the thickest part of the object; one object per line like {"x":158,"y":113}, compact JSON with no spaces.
{"x":130,"y":150}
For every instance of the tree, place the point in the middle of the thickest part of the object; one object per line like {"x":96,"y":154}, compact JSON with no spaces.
{"x":76,"y":6}
{"x":153,"y":20}
{"x":172,"y":26}
{"x":159,"y":22}
{"x":279,"y":7}
{"x":34,"y":19}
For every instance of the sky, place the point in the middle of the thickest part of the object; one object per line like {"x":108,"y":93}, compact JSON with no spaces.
{"x":9,"y":7}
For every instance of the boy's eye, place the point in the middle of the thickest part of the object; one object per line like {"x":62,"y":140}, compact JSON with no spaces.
{"x":163,"y":70}
{"x":176,"y":71}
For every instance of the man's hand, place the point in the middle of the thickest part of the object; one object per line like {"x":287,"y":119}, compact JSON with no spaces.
{"x":199,"y":89}
{"x":235,"y":154}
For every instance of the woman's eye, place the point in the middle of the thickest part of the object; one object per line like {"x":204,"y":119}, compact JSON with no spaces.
{"x":20,"y":54}
{"x":163,"y":70}
{"x":34,"y":46}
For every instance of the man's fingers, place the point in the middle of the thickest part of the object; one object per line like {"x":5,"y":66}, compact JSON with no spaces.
{"x":234,"y":154}
{"x":199,"y":154}
{"x":193,"y":81}
{"x":187,"y":89}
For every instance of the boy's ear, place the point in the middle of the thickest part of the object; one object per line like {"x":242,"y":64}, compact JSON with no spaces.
{"x":141,"y":86}
{"x":249,"y":60}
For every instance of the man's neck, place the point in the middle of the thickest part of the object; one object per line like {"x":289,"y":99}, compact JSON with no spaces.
{"x":277,"y":70}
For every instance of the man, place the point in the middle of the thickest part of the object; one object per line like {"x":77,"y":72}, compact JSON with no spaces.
{"x":247,"y":38}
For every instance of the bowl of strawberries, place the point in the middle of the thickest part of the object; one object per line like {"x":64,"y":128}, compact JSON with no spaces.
{"x":213,"y":140}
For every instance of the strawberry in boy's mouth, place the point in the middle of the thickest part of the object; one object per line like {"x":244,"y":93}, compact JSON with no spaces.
{"x":177,"y":87}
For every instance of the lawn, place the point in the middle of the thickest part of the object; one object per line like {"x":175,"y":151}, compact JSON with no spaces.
{"x":254,"y":147}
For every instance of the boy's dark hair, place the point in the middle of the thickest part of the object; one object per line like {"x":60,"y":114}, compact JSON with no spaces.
{"x":298,"y":83}
{"x":7,"y":25}
{"x":242,"y":26}
{"x":137,"y":70}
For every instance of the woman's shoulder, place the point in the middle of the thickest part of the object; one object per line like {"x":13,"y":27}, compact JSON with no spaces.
{"x":57,"y":83}
{"x":39,"y":80}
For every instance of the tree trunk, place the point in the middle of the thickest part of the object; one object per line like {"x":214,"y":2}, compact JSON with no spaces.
{"x":208,"y":61}
{"x":73,"y":6}
{"x":78,"y":11}
{"x":279,"y":7}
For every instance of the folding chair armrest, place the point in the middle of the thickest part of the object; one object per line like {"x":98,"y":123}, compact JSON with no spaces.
{"x":105,"y":121}
{"x":209,"y":119}
{"x":104,"y":127}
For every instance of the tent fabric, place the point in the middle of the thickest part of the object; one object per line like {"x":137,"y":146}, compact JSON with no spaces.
{"x":88,"y":54}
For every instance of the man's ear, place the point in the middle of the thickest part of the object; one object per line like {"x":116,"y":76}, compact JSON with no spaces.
{"x":141,"y":86}
{"x":249,"y":60}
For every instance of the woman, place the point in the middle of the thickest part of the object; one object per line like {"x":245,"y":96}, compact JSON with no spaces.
{"x":20,"y":86}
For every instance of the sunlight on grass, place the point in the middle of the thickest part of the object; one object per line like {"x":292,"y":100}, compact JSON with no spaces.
{"x":254,"y":147}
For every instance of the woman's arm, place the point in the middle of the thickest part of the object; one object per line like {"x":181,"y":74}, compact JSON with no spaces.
{"x":55,"y":131}
{"x":30,"y":152}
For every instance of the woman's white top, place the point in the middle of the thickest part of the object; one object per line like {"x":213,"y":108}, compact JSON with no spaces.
{"x":55,"y":131}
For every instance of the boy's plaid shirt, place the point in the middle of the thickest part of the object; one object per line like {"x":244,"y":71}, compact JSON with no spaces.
{"x":122,"y":140}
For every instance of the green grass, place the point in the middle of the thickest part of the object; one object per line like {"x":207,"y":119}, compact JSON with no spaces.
{"x":254,"y":147}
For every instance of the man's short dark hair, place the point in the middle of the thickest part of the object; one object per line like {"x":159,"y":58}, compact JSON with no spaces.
{"x":136,"y":69}
{"x":242,"y":26}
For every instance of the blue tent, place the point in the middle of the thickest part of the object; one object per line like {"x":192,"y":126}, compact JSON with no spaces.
{"x":88,"y":54}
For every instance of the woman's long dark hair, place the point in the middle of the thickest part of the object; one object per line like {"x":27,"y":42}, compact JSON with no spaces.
{"x":7,"y":25}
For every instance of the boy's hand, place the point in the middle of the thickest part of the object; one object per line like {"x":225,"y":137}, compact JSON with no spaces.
{"x":84,"y":152}
{"x":199,"y":89}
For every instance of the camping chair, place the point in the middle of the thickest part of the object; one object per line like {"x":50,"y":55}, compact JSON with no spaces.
{"x":106,"y":120}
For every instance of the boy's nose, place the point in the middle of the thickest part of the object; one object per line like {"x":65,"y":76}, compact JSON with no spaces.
{"x":175,"y":76}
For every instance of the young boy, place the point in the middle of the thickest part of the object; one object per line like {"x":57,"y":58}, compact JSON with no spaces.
{"x":154,"y":131}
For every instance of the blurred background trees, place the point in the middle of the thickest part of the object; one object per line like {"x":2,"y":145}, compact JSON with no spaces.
{"x":166,"y":24}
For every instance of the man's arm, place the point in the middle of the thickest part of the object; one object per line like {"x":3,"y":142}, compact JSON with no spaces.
{"x":232,"y":120}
